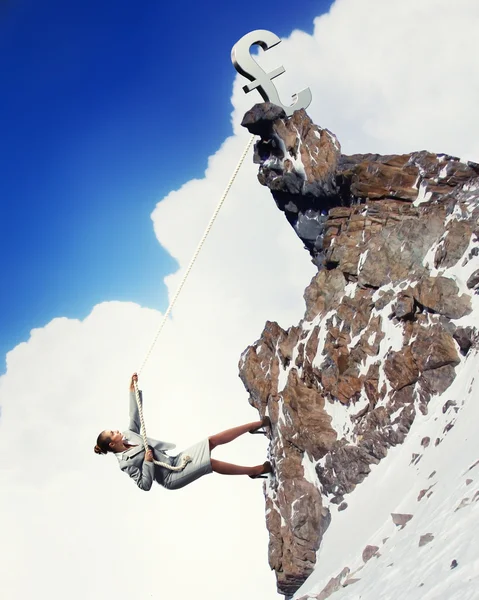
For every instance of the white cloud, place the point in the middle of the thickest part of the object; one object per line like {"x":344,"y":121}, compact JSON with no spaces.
{"x":386,"y":76}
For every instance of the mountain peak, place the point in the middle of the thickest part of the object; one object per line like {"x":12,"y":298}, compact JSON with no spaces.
{"x":390,"y":322}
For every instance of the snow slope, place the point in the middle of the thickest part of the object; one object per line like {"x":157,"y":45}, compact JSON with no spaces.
{"x":449,"y":511}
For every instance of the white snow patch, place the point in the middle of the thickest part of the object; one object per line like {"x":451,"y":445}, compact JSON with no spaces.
{"x":443,"y":173}
{"x":354,"y":340}
{"x":283,"y":376}
{"x":350,"y":289}
{"x":464,"y":268}
{"x":428,"y":260}
{"x":340,"y":417}
{"x":298,"y":161}
{"x":310,"y":470}
{"x":362,"y":259}
{"x":392,"y":342}
{"x":422,"y":196}
{"x":456,"y":215}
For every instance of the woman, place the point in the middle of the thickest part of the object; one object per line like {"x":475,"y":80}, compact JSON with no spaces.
{"x":174,"y":472}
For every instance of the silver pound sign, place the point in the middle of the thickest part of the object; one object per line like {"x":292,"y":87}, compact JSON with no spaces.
{"x":246,"y":65}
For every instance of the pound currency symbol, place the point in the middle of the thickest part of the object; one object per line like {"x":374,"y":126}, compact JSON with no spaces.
{"x":246,"y":65}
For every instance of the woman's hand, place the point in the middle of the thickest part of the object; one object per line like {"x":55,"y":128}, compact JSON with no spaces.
{"x":149,"y":455}
{"x":134,"y":379}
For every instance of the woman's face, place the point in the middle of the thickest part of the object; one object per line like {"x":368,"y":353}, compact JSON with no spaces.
{"x":115,"y":436}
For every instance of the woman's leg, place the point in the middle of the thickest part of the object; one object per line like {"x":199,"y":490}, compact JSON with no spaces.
{"x":224,"y":437}
{"x":225,"y":468}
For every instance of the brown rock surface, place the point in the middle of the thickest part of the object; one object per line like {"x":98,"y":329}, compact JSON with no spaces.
{"x":440,"y":295}
{"x":378,"y":339}
{"x":425,"y":539}
{"x":401,"y":519}
{"x":369,"y":552}
{"x":333,"y":585}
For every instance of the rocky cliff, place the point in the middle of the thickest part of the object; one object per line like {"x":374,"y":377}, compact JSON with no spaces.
{"x":388,"y":318}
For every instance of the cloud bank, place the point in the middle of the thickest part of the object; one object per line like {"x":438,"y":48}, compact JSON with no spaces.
{"x":386,"y":76}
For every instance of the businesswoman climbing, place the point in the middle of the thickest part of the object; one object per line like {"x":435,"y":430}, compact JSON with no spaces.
{"x":173,"y":472}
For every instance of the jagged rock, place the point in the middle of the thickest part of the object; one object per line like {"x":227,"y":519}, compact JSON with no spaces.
{"x":465,"y":337}
{"x":286,"y":345}
{"x":344,"y":468}
{"x":262,"y":383}
{"x":260,"y":118}
{"x":377,"y":341}
{"x":415,"y":458}
{"x":437,"y":380}
{"x":315,"y":171}
{"x":440,"y":294}
{"x":434,"y":348}
{"x":454,"y":244}
{"x":448,"y":427}
{"x":425,"y":539}
{"x":401,"y":368}
{"x":448,"y":405}
{"x":404,"y":306}
{"x":307,"y":425}
{"x":464,"y":502}
{"x":351,"y":580}
{"x":472,"y":466}
{"x":401,"y":519}
{"x":369,"y":552}
{"x":324,"y":292}
{"x":333,"y":585}
{"x":473,"y":280}
{"x":306,"y":156}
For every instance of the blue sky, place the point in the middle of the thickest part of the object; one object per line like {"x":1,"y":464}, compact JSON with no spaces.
{"x":105,"y":108}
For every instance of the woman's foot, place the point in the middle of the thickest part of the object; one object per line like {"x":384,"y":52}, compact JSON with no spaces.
{"x":265,"y":424}
{"x":263,"y":471}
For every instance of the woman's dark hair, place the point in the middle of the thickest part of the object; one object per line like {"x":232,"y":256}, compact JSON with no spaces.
{"x":103,"y":444}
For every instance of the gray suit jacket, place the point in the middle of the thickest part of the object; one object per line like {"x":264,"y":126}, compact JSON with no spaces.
{"x":133,"y":460}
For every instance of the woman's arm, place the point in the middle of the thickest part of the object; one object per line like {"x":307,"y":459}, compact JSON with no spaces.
{"x":142,"y":477}
{"x":134,"y":416}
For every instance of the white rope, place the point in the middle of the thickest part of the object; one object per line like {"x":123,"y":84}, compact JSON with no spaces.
{"x":185,"y":459}
{"x":197,"y":251}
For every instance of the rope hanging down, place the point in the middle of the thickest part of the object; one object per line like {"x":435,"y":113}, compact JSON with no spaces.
{"x":197,"y":251}
{"x":186,"y":459}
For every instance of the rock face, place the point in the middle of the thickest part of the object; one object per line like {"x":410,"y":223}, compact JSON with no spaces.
{"x":395,"y":239}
